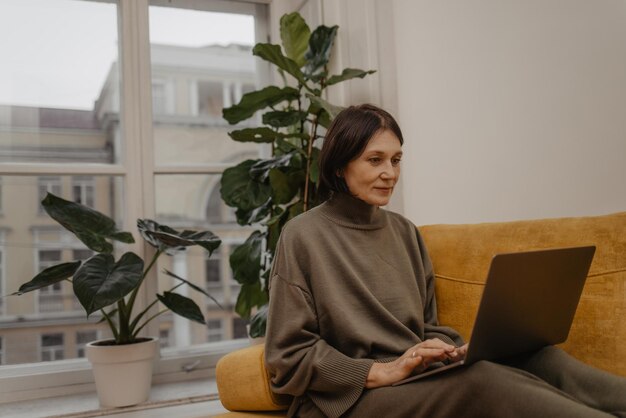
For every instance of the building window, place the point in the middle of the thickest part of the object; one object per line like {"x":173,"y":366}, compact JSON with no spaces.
{"x":49,"y":184}
{"x":83,"y":190}
{"x":240,"y":328}
{"x":52,"y":347}
{"x":1,"y":352}
{"x":215,"y":331}
{"x":50,"y":297}
{"x":82,"y":338}
{"x":82,"y":254}
{"x":164,"y":338}
{"x":214,"y":270}
{"x":211,"y":98}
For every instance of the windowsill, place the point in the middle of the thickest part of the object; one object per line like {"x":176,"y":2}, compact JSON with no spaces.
{"x":192,"y":398}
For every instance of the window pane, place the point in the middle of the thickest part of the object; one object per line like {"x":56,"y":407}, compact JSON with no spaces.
{"x":181,"y":203}
{"x":199,"y":68}
{"x":30,"y":243}
{"x":59,"y":82}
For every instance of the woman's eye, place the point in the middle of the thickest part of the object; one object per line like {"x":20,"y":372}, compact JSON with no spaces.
{"x":396,"y":161}
{"x":374,"y":160}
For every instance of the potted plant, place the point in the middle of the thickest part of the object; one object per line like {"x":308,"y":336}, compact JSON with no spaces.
{"x":269,"y":192}
{"x":111,"y":287}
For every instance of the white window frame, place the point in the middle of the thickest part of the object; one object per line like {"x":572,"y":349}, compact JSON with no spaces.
{"x":37,"y":380}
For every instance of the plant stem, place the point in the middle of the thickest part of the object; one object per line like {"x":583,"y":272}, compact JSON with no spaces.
{"x":133,"y":296}
{"x":111,"y":324}
{"x":309,"y":151}
{"x":124,"y":331}
{"x":148,"y":320}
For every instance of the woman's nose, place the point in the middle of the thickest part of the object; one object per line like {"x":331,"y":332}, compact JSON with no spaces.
{"x":388,"y":172}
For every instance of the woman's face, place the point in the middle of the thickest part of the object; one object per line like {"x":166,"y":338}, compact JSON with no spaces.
{"x":372,"y":176}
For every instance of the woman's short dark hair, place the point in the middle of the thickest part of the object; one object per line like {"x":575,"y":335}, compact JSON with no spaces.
{"x":346,"y":139}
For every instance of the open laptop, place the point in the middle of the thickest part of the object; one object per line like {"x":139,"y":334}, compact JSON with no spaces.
{"x":529,"y":302}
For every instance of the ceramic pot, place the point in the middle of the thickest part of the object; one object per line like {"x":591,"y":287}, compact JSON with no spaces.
{"x":123,"y":373}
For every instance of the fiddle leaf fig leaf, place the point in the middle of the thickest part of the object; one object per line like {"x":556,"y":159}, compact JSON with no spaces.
{"x":258,"y":322}
{"x":250,"y":295}
{"x":318,"y":102}
{"x":279,"y":119}
{"x":273,"y":54}
{"x":320,"y":44}
{"x":240,"y":190}
{"x":100,"y":281}
{"x":260,"y":170}
{"x":258,"y":135}
{"x":89,"y":225}
{"x":348,"y":74}
{"x":283,"y":190}
{"x":250,"y":217}
{"x":257,"y":100}
{"x":49,"y":276}
{"x":295,"y":34}
{"x":245,"y":260}
{"x":182,"y":305}
{"x":169,"y":240}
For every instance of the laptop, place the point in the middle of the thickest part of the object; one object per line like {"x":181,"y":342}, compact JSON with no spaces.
{"x":529,"y":302}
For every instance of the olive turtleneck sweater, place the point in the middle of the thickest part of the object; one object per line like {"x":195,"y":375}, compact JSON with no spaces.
{"x":351,"y":284}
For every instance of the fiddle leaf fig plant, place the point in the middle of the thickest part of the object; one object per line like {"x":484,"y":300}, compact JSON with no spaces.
{"x":267,"y":193}
{"x":101,"y":283}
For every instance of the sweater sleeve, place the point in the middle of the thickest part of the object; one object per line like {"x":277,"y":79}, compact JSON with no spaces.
{"x":432,"y":329}
{"x":299,"y":361}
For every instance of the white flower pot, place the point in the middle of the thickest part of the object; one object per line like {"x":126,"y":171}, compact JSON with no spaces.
{"x":123,"y":373}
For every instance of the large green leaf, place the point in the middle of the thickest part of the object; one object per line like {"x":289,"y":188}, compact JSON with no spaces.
{"x":320,"y":44}
{"x":245,"y":260}
{"x":283,"y":189}
{"x":295,"y":34}
{"x":100,"y":281}
{"x":260,"y":170}
{"x":279,"y":119}
{"x":258,"y":322}
{"x":273,"y":54}
{"x":240,"y":190}
{"x":165,"y":238}
{"x":89,"y":225}
{"x":193,"y":286}
{"x":182,"y":306}
{"x":49,"y":276}
{"x":250,"y":295}
{"x":315,"y":168}
{"x":347,"y":74}
{"x":257,"y":100}
{"x":258,"y":135}
{"x":252,"y":216}
{"x":318,"y":102}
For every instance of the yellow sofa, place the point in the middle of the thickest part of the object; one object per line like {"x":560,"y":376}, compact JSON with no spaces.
{"x":461,"y":255}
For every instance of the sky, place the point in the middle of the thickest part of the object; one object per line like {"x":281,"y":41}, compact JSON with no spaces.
{"x":57,"y":53}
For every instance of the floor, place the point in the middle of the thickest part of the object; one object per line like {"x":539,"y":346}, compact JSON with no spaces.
{"x":191,"y":399}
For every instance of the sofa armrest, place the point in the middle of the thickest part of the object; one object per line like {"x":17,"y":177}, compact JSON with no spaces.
{"x":243,"y":382}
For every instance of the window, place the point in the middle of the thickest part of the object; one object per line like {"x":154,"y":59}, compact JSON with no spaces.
{"x":50,"y":297}
{"x":47,"y":185}
{"x":82,"y":338}
{"x":213,"y":270}
{"x":83,"y":190}
{"x":125,"y":137}
{"x":1,"y":352}
{"x":214,"y":330}
{"x":240,"y":328}
{"x":164,"y":338}
{"x":52,"y":347}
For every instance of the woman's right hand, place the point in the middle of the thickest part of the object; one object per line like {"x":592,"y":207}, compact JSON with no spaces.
{"x":416,"y":358}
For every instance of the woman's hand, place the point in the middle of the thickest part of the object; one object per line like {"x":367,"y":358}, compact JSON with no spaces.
{"x":416,"y":358}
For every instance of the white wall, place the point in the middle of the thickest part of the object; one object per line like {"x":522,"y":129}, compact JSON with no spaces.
{"x":511,"y":109}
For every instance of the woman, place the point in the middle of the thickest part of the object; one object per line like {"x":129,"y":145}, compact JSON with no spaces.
{"x":352,"y":308}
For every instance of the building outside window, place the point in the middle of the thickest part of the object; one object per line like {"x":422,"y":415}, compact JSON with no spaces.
{"x":215,"y":331}
{"x":1,"y":352}
{"x":52,"y":347}
{"x":50,"y":297}
{"x":83,"y":190}
{"x":49,"y":184}
{"x":72,"y":125}
{"x":82,"y":338}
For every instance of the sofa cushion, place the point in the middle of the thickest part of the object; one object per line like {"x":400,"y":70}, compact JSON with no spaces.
{"x":461,"y":255}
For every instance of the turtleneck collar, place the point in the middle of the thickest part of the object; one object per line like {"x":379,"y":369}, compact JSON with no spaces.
{"x":351,"y":212}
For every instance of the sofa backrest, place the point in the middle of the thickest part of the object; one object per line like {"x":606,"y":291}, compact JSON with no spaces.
{"x":461,"y":255}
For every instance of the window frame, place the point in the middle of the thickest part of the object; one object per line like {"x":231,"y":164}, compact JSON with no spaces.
{"x":64,"y":377}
